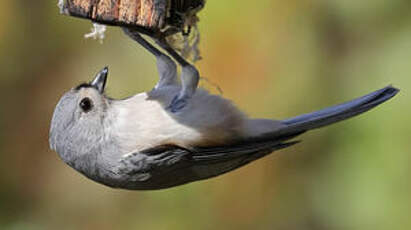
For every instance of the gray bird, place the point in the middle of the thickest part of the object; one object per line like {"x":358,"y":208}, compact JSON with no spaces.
{"x":139,"y":143}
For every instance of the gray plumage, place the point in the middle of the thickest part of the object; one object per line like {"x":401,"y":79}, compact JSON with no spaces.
{"x":136,"y":143}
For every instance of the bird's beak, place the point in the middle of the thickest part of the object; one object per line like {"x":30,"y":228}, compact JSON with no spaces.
{"x":99,"y":81}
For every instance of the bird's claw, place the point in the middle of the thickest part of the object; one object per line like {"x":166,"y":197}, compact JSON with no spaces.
{"x":178,"y":103}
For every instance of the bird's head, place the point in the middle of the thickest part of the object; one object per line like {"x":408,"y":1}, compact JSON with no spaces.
{"x":77,"y":126}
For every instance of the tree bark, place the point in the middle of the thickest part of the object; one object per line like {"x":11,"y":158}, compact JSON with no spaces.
{"x":147,"y":16}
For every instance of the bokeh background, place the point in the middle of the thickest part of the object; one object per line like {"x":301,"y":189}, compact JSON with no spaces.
{"x":274,"y":59}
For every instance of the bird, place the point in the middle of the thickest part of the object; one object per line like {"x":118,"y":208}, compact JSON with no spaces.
{"x":139,"y":143}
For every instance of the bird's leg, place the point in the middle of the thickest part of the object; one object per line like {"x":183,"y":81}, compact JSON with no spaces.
{"x":166,"y":67}
{"x":189,"y":78}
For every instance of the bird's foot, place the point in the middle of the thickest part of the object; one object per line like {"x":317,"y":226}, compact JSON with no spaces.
{"x":178,"y":103}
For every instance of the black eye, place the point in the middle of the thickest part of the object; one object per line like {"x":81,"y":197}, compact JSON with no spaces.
{"x":86,"y":104}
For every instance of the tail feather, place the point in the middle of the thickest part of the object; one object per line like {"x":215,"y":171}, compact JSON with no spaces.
{"x":213,"y":161}
{"x":336,"y":113}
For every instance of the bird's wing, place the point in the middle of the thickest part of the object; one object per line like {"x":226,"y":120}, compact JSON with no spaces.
{"x":168,"y":155}
{"x":152,"y":160}
{"x":168,"y":166}
{"x":253,"y":147}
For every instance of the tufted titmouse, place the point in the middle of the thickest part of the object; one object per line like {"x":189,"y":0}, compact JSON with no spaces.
{"x":137,"y":143}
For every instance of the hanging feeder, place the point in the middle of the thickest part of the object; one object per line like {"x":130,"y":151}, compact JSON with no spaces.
{"x":150,"y":17}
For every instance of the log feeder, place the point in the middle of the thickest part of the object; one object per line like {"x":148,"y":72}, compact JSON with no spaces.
{"x":146,"y":16}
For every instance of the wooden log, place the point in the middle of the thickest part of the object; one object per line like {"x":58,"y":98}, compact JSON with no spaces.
{"x":147,"y":16}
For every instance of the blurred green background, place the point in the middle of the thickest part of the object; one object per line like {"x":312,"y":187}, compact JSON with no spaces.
{"x":274,"y":59}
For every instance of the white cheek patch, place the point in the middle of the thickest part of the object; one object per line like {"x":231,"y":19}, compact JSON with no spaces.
{"x":121,"y":118}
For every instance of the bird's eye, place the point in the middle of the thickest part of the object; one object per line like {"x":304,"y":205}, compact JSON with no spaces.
{"x":86,"y":104}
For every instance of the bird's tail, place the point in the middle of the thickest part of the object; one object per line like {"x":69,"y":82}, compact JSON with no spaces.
{"x":219,"y":160}
{"x":336,"y":113}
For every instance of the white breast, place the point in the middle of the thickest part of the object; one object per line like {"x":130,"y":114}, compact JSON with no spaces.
{"x":142,"y":121}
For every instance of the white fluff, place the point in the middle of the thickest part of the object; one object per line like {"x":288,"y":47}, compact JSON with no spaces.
{"x":60,"y":5}
{"x":97,"y":32}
